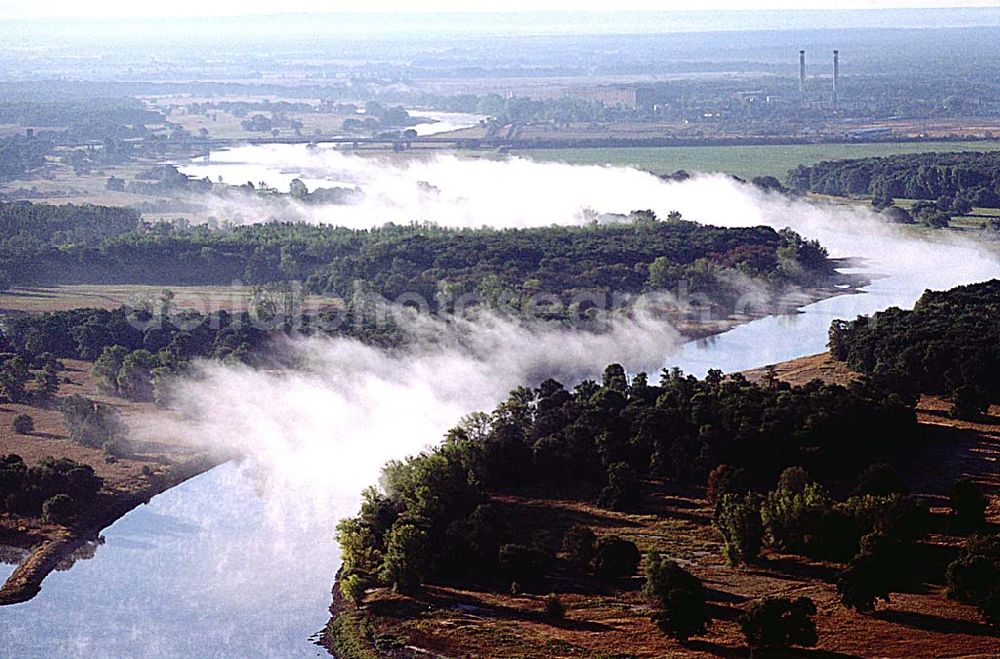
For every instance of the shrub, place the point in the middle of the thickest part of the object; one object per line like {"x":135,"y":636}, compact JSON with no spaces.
{"x":738,"y":520}
{"x":968,"y":504}
{"x":578,"y":544}
{"x":616,"y":558}
{"x":554,"y":609}
{"x":24,"y":424}
{"x":778,"y":622}
{"x":679,"y":596}
{"x":58,"y":509}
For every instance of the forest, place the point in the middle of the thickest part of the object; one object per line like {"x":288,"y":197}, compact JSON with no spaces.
{"x":963,"y":180}
{"x":949,"y":344}
{"x":794,"y":469}
{"x":91,"y":244}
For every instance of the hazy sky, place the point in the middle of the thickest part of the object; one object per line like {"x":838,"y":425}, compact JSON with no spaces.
{"x":138,"y":8}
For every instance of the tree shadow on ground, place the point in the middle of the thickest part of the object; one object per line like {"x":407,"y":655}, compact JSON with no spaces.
{"x":936,"y":624}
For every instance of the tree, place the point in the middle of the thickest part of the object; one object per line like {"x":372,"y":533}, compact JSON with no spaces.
{"x":523,"y":565}
{"x":58,"y":509}
{"x":614,"y":378}
{"x":135,"y":378}
{"x":680,"y":598}
{"x":297,"y":189}
{"x":616,"y":558}
{"x":794,"y":480}
{"x":790,"y":518}
{"x":862,"y":582}
{"x":13,"y":376}
{"x":739,"y":522}
{"x":968,"y":504}
{"x":725,"y":479}
{"x":46,"y":382}
{"x":879,"y":479}
{"x":555,"y":611}
{"x":106,"y":366}
{"x":974,"y":577}
{"x":578,"y":544}
{"x":24,"y":424}
{"x":403,"y":562}
{"x":969,"y":402}
{"x":622,"y":491}
{"x":778,"y":622}
{"x":353,"y":588}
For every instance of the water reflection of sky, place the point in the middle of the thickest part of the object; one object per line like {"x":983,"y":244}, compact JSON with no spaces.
{"x":194,"y":573}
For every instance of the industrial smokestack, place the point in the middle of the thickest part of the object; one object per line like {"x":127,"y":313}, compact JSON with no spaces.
{"x":836,"y":76}
{"x":802,"y":76}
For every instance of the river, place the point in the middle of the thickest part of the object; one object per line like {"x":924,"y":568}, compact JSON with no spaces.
{"x":208,"y":569}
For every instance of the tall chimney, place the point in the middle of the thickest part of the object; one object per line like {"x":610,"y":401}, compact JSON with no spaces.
{"x":836,"y":76}
{"x":802,"y":76}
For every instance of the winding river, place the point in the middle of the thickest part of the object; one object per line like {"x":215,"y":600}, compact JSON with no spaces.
{"x":203,"y":569}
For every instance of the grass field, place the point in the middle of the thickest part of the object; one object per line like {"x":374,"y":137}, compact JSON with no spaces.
{"x":743,"y":161}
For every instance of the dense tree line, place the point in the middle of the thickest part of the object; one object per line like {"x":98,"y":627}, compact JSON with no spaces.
{"x":90,"y":244}
{"x":96,"y":118}
{"x":434,"y":518}
{"x":949,"y":344}
{"x":956,"y":181}
{"x":20,"y":155}
{"x":56,"y":489}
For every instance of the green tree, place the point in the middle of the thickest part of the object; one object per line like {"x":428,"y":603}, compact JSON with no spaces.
{"x":739,"y":522}
{"x":864,"y":581}
{"x":46,"y":382}
{"x":107,"y":366}
{"x":578,"y":544}
{"x":13,"y":376}
{"x":353,"y":587}
{"x":58,"y":509}
{"x":403,"y":563}
{"x":680,"y":598}
{"x":778,"y":622}
{"x":968,"y":504}
{"x":616,"y":558}
{"x":135,"y":378}
{"x":23,"y":424}
{"x":554,"y":608}
{"x":622,"y":491}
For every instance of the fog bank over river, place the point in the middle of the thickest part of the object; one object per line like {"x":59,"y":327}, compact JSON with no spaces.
{"x":240,"y":560}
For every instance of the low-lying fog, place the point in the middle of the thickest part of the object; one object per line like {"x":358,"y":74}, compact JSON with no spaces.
{"x":315,"y":436}
{"x":326,"y":429}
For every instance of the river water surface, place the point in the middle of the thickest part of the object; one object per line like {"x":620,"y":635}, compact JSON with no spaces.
{"x":206,"y":569}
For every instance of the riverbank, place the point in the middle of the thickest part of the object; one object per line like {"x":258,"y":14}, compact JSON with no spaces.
{"x":453,"y":621}
{"x":150,"y":469}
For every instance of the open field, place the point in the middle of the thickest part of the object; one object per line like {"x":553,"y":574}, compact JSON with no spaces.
{"x":920,"y":622}
{"x":743,"y":161}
